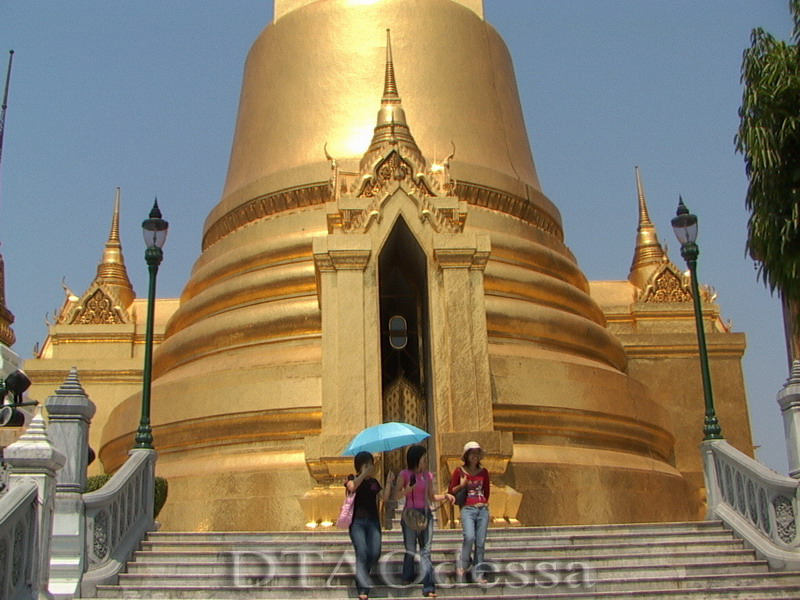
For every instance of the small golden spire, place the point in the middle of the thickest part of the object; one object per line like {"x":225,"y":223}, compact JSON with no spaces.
{"x":113,"y":236}
{"x":648,"y":254}
{"x":111,"y":272}
{"x":391,"y":128}
{"x":644,"y":217}
{"x":390,"y":93}
{"x":391,"y":112}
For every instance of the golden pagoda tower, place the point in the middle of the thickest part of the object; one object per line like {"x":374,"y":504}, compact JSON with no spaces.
{"x":331,"y":227}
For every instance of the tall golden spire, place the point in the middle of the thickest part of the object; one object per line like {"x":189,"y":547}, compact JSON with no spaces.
{"x":648,"y":254}
{"x":111,"y":272}
{"x":390,"y":94}
{"x":391,"y":128}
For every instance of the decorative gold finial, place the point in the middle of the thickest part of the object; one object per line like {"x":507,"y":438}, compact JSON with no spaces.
{"x":111,"y":272}
{"x":114,"y":235}
{"x":648,"y":254}
{"x":644,"y":217}
{"x":390,"y":93}
{"x":391,"y":112}
{"x":391,"y":128}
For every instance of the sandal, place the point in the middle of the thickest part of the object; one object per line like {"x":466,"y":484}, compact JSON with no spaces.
{"x":363,"y":597}
{"x":429,"y":595}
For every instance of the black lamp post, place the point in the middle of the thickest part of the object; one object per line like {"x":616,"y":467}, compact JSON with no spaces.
{"x":155,"y":234}
{"x":685,"y":227}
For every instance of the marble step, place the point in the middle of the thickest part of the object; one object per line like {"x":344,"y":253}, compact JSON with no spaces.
{"x":692,"y":561}
{"x":523,"y":538}
{"x":769,"y":585}
{"x":319,"y":574}
{"x":206,"y":561}
{"x":442,"y":550}
{"x":536,"y":531}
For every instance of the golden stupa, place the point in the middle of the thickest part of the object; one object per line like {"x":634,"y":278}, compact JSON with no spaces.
{"x":332,"y":222}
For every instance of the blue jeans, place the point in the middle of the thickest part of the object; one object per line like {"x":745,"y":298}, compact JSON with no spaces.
{"x":474,"y":523}
{"x":410,"y":540}
{"x":366,"y":537}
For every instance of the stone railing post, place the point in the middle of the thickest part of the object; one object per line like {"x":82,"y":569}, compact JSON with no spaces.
{"x":789,"y":401}
{"x":70,"y":411}
{"x":33,"y":458}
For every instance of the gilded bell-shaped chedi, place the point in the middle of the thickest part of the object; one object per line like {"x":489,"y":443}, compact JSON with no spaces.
{"x":329,"y":228}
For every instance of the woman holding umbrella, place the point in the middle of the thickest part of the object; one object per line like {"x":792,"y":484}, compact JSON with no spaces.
{"x":416,"y":484}
{"x":365,"y":529}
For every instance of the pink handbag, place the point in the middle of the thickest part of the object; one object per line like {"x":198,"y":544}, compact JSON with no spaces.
{"x":346,"y":512}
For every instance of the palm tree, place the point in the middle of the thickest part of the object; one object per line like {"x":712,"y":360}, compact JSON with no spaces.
{"x":769,"y":140}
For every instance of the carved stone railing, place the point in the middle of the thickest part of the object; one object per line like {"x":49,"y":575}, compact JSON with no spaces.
{"x":760,"y":505}
{"x":18,"y":552}
{"x":118,"y":515}
{"x":3,"y":478}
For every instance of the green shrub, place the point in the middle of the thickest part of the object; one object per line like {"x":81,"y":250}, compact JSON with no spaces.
{"x":160,"y":495}
{"x":95,"y":482}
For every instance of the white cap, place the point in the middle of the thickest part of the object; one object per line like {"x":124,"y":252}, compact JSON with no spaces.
{"x":472,"y":446}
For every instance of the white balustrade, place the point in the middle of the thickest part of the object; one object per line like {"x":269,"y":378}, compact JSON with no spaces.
{"x":118,"y":515}
{"x":760,"y":505}
{"x":18,"y":552}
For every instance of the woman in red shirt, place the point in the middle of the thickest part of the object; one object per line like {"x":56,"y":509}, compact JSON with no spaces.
{"x":475,"y":512}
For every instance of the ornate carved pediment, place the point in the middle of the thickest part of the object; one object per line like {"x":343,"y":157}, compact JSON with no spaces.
{"x":667,"y":285}
{"x":360,"y":197}
{"x":96,"y":308}
{"x":388,"y":174}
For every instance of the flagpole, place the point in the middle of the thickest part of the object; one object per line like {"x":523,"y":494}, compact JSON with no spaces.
{"x":5,"y":102}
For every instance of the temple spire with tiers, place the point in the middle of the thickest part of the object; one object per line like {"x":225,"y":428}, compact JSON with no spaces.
{"x":649,"y":254}
{"x":110,"y":296}
{"x":392,"y":129}
{"x":111,"y":272}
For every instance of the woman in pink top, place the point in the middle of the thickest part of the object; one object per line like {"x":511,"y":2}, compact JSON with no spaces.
{"x":416,"y":484}
{"x":475,"y":512}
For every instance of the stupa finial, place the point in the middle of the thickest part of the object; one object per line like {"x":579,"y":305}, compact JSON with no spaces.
{"x":111,"y":271}
{"x":390,"y":94}
{"x":648,"y":254}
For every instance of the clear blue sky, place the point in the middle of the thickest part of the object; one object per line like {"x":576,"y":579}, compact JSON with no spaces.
{"x":143,"y":95}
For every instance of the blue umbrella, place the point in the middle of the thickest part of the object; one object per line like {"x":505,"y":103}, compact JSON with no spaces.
{"x":385,"y":437}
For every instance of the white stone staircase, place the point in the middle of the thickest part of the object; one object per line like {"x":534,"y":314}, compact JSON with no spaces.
{"x":643,"y":561}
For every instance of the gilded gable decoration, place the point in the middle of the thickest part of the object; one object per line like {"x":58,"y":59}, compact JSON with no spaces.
{"x":98,"y":308}
{"x":667,"y":284}
{"x":389,"y":173}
